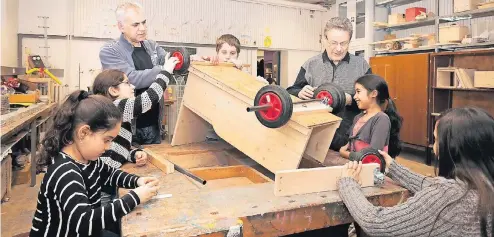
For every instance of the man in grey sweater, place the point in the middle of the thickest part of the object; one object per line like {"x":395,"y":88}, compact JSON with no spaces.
{"x":141,"y":60}
{"x":335,"y":65}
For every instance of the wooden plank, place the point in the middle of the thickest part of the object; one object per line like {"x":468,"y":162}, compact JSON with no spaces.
{"x":303,"y":181}
{"x":190,"y":127}
{"x":319,"y":141}
{"x":161,"y":162}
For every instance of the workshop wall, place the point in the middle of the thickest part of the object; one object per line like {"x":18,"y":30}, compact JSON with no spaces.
{"x":9,"y":32}
{"x":77,"y":29}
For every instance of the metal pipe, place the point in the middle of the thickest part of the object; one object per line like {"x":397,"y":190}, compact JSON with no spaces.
{"x":186,"y":172}
{"x":259,"y":107}
{"x":306,"y":101}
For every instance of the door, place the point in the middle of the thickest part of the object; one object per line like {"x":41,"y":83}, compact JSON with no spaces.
{"x":407,"y":77}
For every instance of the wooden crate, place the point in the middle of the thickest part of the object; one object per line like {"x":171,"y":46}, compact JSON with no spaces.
{"x":50,"y":91}
{"x":453,"y":33}
{"x":465,"y":5}
{"x":24,"y":98}
{"x":484,"y":79}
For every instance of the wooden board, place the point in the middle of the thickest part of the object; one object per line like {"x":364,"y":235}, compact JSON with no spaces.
{"x":220,"y":95}
{"x":235,"y":203}
{"x":302,"y":181}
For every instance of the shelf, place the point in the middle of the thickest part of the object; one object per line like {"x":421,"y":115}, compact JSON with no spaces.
{"x":435,"y":114}
{"x":477,"y":13}
{"x":465,"y":89}
{"x":462,"y":46}
{"x":394,"y":3}
{"x":408,"y":25}
{"x":423,"y":49}
{"x":7,"y":145}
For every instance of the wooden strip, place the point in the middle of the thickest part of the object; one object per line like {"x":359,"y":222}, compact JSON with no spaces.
{"x":302,"y":181}
{"x":212,"y":173}
{"x":320,"y":140}
{"x":161,"y":162}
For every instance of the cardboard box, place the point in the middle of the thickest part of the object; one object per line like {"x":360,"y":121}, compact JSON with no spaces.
{"x":453,"y":33}
{"x":484,"y":79}
{"x":394,"y":19}
{"x":411,"y":13}
{"x":465,"y":5}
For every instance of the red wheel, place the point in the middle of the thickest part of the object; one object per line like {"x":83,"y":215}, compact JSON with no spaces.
{"x":281,"y":106}
{"x":371,"y":159}
{"x":273,"y":113}
{"x":180,"y":57}
{"x":325,"y":94}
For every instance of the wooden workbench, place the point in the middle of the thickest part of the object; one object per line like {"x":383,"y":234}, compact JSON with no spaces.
{"x":235,"y":205}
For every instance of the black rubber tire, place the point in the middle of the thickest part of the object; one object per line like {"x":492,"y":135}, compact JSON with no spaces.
{"x":286,"y":102}
{"x":338,"y":97}
{"x":343,"y":96}
{"x":371,"y":151}
{"x":186,"y":61}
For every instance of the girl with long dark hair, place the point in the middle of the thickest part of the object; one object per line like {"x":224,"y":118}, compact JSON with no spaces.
{"x":460,"y":205}
{"x":379,"y":124}
{"x":69,"y":200}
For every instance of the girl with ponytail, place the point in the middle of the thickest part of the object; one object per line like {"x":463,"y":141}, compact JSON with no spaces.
{"x":379,"y":124}
{"x":69,"y":200}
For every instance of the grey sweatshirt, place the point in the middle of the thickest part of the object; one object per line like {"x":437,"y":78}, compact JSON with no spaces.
{"x":438,"y":207}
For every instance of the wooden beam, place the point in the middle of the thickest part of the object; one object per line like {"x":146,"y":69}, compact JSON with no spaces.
{"x":161,"y":162}
{"x":303,"y":181}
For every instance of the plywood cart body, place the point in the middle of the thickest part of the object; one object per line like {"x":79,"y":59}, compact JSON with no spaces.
{"x":219,"y":95}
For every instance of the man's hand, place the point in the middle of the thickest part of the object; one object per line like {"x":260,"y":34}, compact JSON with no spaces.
{"x":352,"y":169}
{"x":348,"y":99}
{"x":141,"y":158}
{"x":170,"y":63}
{"x":306,"y":93}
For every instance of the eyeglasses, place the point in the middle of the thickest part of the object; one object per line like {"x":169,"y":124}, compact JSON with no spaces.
{"x":343,"y":44}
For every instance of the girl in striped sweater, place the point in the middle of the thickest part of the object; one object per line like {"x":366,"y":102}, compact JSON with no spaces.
{"x":115,"y":85}
{"x":69,"y":200}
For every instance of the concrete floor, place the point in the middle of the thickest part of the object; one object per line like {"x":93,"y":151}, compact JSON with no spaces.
{"x":17,"y":214}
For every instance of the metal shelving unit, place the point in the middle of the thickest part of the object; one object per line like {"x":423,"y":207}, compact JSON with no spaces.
{"x":435,"y":21}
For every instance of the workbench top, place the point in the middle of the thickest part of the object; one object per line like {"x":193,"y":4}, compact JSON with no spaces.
{"x":218,"y":209}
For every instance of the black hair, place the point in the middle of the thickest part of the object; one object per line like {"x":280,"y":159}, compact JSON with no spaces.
{"x":97,"y":111}
{"x":107,"y":79}
{"x":466,"y":152}
{"x":373,"y":82}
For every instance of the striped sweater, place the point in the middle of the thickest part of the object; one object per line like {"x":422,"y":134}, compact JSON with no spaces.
{"x":69,"y":200}
{"x":120,"y":150}
{"x":439,"y":207}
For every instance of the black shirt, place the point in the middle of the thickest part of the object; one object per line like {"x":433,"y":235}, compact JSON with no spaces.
{"x":142,"y":61}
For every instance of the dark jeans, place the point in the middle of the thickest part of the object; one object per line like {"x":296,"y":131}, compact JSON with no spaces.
{"x":147,"y":135}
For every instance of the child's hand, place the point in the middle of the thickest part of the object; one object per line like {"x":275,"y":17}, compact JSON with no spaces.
{"x":387,"y":158}
{"x":141,"y":158}
{"x":237,"y":62}
{"x":146,"y":192}
{"x":170,"y":63}
{"x":147,"y":181}
{"x":215,"y":60}
{"x":352,"y":169}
